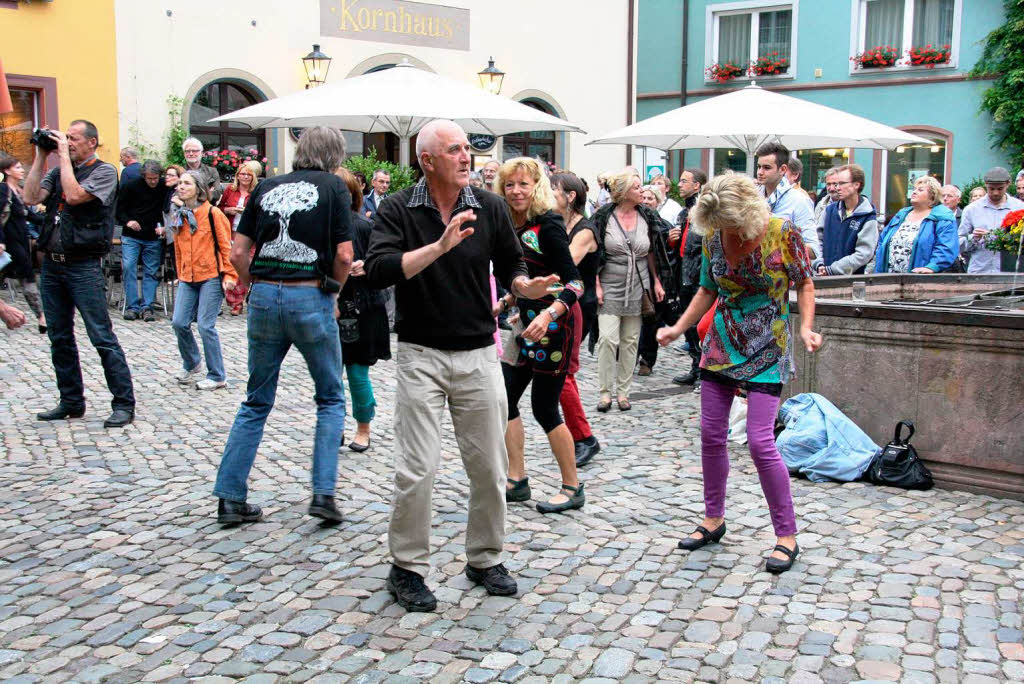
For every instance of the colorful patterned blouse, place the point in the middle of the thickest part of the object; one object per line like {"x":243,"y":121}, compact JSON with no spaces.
{"x":749,"y":339}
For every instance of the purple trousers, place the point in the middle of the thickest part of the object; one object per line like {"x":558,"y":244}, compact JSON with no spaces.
{"x":715,"y":402}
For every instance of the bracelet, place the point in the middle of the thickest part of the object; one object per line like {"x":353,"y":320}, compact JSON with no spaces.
{"x":552,"y":312}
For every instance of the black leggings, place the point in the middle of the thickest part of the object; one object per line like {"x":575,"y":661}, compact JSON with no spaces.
{"x":543,"y":397}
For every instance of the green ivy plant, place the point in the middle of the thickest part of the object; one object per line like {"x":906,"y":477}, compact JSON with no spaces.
{"x":401,"y":176}
{"x":1003,"y":59}
{"x":176,"y":133}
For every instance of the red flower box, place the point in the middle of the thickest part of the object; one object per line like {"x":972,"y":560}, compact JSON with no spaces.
{"x":878,"y":57}
{"x":725,"y":72}
{"x":769,"y":65}
{"x":928,"y":56}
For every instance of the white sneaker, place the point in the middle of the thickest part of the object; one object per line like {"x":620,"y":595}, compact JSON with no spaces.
{"x":207,"y":384}
{"x":184,"y":377}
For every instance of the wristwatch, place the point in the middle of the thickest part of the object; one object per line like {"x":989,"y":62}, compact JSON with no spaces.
{"x":552,"y":312}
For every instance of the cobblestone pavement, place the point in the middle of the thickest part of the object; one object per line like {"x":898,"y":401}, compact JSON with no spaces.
{"x":112,"y":567}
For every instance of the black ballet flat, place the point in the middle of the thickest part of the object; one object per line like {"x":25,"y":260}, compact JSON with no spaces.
{"x":520,"y":490}
{"x":706,"y":537}
{"x":358,"y":448}
{"x":775,"y":566}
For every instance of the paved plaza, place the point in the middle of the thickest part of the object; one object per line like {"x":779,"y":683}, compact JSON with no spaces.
{"x":112,"y":567}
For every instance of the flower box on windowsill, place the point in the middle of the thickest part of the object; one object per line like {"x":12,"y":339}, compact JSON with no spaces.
{"x":725,"y":72}
{"x":769,"y":65}
{"x":929,"y":57}
{"x":878,"y":57}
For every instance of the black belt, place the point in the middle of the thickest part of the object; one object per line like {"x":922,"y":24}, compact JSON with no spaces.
{"x":66,"y":259}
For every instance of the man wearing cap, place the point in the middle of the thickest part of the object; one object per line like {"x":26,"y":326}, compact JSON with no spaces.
{"x":983,"y":216}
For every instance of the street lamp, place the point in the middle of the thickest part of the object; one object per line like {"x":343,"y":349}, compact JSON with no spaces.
{"x":491,"y":78}
{"x":316,"y":64}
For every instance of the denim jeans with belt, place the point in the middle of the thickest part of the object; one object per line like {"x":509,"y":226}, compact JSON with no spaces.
{"x":151,"y":251}
{"x":281,"y":316}
{"x":199,"y":302}
{"x":80,"y":285}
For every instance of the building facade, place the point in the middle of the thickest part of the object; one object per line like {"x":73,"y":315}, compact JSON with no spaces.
{"x":219,"y":57}
{"x":827,"y":51}
{"x":61,"y":64}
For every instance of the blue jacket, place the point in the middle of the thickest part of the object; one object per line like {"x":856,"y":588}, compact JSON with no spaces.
{"x":849,"y":242}
{"x":936,"y":246}
{"x":369,"y":205}
{"x":821,"y":442}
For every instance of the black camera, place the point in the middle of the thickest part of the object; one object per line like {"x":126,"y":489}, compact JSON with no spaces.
{"x":41,"y":138}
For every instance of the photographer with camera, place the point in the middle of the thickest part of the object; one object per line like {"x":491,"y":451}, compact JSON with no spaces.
{"x":79,"y":196}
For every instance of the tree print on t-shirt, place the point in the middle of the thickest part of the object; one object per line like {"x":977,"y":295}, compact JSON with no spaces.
{"x":285,"y":200}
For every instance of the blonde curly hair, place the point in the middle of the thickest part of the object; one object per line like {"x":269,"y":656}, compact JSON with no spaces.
{"x":730,"y":203}
{"x":543,"y":199}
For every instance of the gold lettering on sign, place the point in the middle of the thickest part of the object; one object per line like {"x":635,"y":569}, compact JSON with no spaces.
{"x":410,"y":22}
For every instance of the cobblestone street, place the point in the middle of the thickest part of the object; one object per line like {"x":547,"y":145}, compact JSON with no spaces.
{"x":113,"y":568}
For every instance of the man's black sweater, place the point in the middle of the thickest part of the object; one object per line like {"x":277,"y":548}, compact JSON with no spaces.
{"x":447,"y":305}
{"x":136,"y":201}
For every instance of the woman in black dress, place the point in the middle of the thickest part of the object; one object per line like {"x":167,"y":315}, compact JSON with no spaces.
{"x":543,"y":351}
{"x":363,"y":324}
{"x":14,"y":233}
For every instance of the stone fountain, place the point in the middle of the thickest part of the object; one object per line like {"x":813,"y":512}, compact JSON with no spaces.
{"x":945,"y":351}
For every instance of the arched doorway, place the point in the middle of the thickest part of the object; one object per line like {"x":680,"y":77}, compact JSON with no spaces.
{"x":223,"y":97}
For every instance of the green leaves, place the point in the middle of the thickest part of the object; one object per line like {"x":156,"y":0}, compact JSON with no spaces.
{"x":401,"y":176}
{"x":1003,"y":59}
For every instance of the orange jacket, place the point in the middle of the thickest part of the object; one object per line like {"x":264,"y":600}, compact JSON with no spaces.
{"x":194,"y":253}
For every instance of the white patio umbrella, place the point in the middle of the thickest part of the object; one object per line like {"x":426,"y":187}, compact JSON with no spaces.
{"x":752,"y":116}
{"x":401,"y":101}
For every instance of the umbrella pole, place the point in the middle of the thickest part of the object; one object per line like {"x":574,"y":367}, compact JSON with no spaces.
{"x":403,"y":151}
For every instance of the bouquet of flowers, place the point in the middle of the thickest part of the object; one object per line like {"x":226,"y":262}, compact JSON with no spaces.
{"x":878,"y":57}
{"x":1007,"y":238}
{"x":929,"y":56}
{"x":725,"y":72}
{"x":769,"y":65}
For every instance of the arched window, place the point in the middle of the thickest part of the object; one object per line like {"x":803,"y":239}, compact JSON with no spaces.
{"x":531,"y":143}
{"x":216,"y":99}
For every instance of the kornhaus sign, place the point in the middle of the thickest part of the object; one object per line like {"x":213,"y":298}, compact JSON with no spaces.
{"x":396,"y":21}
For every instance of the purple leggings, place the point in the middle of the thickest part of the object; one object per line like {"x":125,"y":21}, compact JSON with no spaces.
{"x":715,"y":402}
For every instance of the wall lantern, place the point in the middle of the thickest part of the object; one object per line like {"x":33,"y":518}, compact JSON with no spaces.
{"x":491,"y":78}
{"x":316,"y":64}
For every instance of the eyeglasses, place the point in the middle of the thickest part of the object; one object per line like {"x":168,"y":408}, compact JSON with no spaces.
{"x":837,"y":184}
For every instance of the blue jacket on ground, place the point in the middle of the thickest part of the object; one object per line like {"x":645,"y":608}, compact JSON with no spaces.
{"x":849,"y":241}
{"x":937,"y":244}
{"x":821,"y":442}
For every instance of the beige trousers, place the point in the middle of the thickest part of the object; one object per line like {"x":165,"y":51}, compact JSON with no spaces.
{"x":616,"y":334}
{"x":471,"y":383}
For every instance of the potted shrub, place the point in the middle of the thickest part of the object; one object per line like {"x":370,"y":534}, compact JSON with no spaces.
{"x":878,"y":57}
{"x":928,"y":56}
{"x":769,"y":65}
{"x":724,"y":72}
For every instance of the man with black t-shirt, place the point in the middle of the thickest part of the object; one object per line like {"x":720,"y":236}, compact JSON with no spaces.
{"x":435,"y":242}
{"x":140,"y":206}
{"x":300,"y":224}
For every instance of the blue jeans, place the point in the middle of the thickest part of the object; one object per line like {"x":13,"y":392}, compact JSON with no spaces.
{"x":199,"y":302}
{"x":364,"y":406}
{"x":279,"y":317}
{"x":80,"y":285}
{"x":151,"y":251}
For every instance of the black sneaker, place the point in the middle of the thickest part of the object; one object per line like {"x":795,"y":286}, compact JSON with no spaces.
{"x":130,"y":315}
{"x":495,"y":579}
{"x":410,"y":591}
{"x":586,"y":449}
{"x":148,"y":315}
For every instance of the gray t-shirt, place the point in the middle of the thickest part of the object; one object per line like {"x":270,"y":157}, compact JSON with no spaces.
{"x":101,"y":184}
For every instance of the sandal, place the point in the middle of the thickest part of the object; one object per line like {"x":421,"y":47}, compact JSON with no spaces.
{"x":520,"y":490}
{"x":624,"y":404}
{"x":576,"y":500}
{"x":775,"y":566}
{"x":604,"y":405}
{"x":706,"y":537}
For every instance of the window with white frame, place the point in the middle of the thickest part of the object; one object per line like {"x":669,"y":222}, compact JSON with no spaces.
{"x":741,"y":33}
{"x":925,"y":33}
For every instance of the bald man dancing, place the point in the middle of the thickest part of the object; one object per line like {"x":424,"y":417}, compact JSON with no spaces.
{"x":434,"y":242}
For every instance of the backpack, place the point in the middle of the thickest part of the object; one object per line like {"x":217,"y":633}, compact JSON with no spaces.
{"x":898,"y":465}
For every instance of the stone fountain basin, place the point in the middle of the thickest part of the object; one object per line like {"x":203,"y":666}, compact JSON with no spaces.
{"x":930,"y":350}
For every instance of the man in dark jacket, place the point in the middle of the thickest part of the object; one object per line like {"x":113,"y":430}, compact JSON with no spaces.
{"x":849,"y":226}
{"x":139,"y":209}
{"x":689,"y":243}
